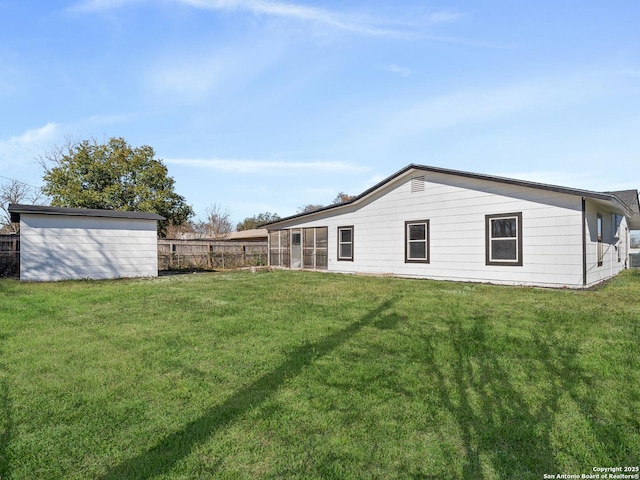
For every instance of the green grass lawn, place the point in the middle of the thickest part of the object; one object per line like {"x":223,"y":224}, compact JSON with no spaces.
{"x":306,"y":375}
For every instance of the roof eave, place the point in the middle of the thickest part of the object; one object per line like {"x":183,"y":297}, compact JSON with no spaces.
{"x":511,"y":181}
{"x":16,"y":209}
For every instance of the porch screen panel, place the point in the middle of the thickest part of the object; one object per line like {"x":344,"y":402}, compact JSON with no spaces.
{"x":315,"y":247}
{"x":274,"y":248}
{"x":322,"y":247}
{"x":279,"y":248}
{"x":308,"y":248}
{"x":284,"y":248}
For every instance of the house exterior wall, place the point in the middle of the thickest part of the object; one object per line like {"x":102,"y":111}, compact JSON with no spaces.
{"x":61,"y":247}
{"x":456,"y":209}
{"x":615,"y":241}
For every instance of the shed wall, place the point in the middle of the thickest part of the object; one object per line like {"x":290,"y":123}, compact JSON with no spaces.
{"x":59,"y":247}
{"x":456,"y":207}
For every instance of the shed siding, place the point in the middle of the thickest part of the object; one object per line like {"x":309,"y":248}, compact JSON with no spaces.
{"x":58,"y":247}
{"x":456,"y":207}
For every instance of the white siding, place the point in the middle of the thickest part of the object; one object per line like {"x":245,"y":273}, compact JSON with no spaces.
{"x":613,"y":225}
{"x":60,"y":247}
{"x":456,"y":207}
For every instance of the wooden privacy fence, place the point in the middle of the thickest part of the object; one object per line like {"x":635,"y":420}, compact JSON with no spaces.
{"x":9,"y":255}
{"x":210,"y":254}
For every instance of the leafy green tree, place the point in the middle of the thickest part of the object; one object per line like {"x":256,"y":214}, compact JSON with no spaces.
{"x":113,"y":176}
{"x":253,"y":222}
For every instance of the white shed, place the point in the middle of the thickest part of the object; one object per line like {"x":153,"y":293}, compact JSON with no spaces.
{"x":76,"y":243}
{"x":430,"y":222}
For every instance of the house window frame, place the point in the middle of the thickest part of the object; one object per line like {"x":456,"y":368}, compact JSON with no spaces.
{"x":408,"y":241}
{"x":341,"y":243}
{"x":517,"y":262}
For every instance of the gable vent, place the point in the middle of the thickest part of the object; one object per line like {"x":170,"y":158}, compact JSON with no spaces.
{"x":417,"y":184}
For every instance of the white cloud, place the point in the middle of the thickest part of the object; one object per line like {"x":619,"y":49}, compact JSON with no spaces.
{"x":355,"y":23}
{"x":243,"y":166}
{"x":485,"y":105}
{"x":98,"y":5}
{"x":27,"y":146}
{"x":397,"y":69}
{"x":191,"y":78}
{"x":464,"y":107}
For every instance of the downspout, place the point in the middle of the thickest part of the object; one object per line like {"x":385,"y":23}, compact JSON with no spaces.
{"x":584,"y":242}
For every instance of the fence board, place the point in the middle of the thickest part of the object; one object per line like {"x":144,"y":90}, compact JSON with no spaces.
{"x":9,"y":255}
{"x":210,"y":254}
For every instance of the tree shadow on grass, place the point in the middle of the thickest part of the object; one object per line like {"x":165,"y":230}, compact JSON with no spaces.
{"x":176,"y":446}
{"x":512,"y":419}
{"x":500,"y":433}
{"x":5,"y":420}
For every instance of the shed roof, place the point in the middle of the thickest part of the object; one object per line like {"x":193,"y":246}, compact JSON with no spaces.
{"x":603,"y":196}
{"x":16,"y":209}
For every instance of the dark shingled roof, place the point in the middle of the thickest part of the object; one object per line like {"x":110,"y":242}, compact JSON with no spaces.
{"x":16,"y":210}
{"x":605,"y":196}
{"x":630,"y":198}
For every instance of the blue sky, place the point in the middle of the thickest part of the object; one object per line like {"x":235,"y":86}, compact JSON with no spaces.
{"x":260,"y":105}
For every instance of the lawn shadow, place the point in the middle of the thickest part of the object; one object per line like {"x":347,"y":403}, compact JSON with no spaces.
{"x":501,"y":433}
{"x":6,"y":418}
{"x":506,"y":429}
{"x":569,"y":379}
{"x":178,"y":445}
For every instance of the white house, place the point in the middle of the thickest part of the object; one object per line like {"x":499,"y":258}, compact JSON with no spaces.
{"x":429,"y":222}
{"x":74,"y":243}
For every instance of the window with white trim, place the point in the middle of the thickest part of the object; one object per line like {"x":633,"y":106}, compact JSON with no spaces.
{"x":416,"y":241}
{"x":503,"y":238}
{"x":345,"y":243}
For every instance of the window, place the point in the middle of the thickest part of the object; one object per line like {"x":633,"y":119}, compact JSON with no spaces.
{"x":416,"y":245}
{"x":345,"y":243}
{"x":504,"y":239}
{"x":600,"y":244}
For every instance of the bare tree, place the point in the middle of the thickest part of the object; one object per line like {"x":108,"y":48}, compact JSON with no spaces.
{"x":342,"y":198}
{"x":217,"y":223}
{"x":15,"y":191}
{"x":309,"y":208}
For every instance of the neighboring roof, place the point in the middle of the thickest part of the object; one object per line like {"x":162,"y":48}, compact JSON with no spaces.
{"x":16,"y":210}
{"x":479,"y":176}
{"x":252,"y":234}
